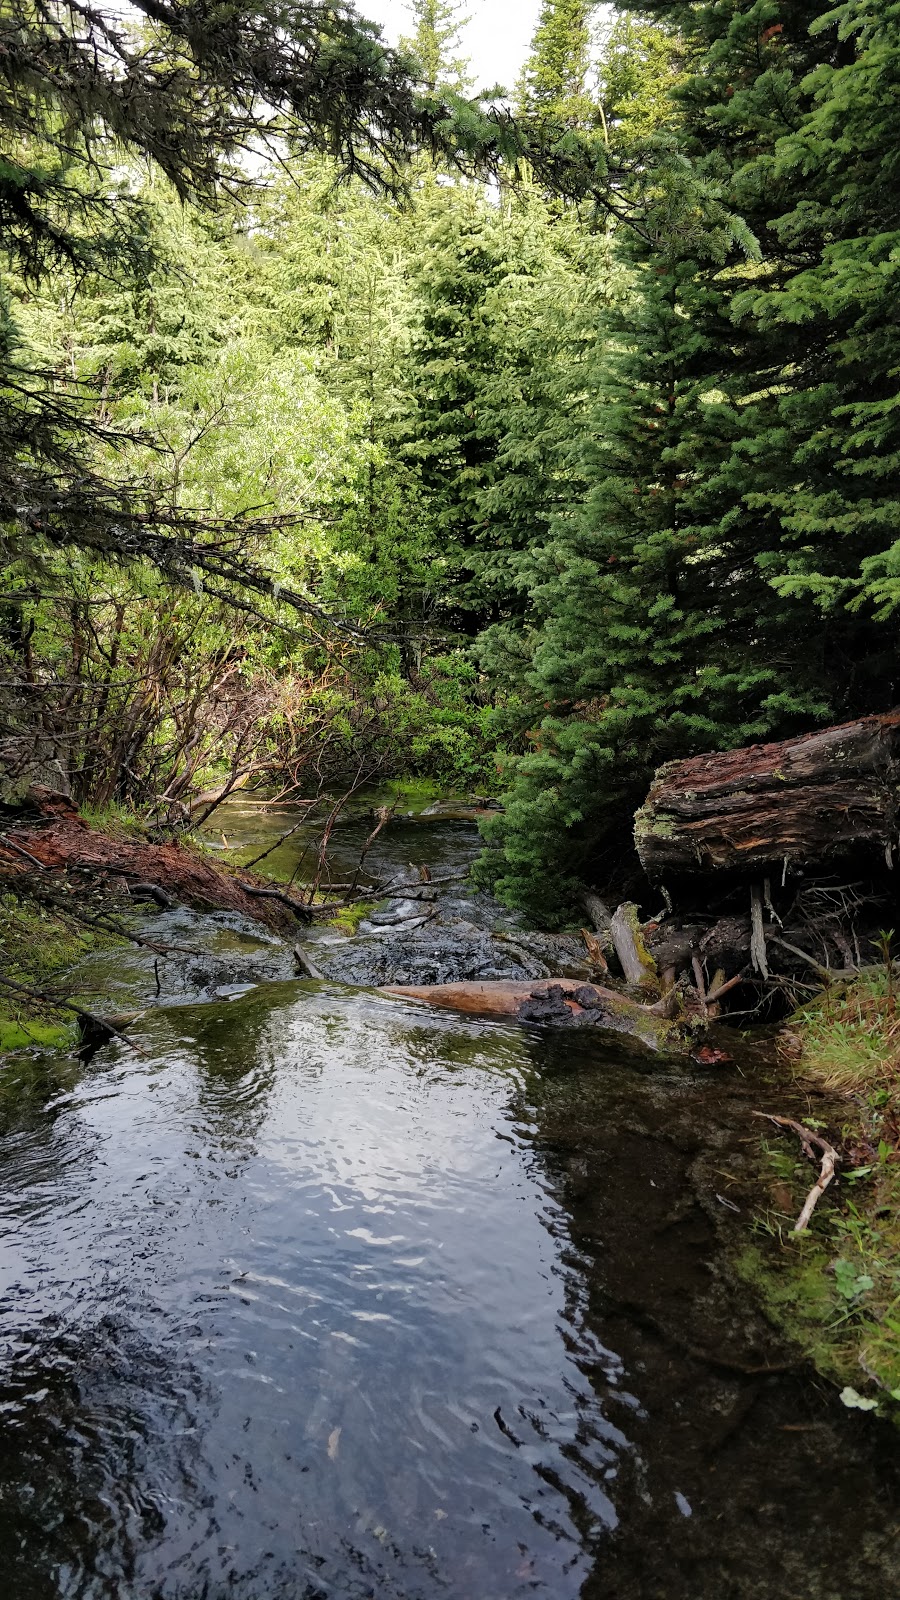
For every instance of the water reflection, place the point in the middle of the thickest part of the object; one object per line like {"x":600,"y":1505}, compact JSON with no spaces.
{"x":316,"y":1245}
{"x":742,"y":1470}
{"x":328,"y":1296}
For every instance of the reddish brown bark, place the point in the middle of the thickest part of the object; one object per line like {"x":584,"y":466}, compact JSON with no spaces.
{"x":488,"y":999}
{"x":829,"y":794}
{"x":61,"y":839}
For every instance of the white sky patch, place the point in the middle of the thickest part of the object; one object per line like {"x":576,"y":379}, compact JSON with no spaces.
{"x":498,"y":37}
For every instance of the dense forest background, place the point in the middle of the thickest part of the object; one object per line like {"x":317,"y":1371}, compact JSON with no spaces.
{"x":526,"y":449}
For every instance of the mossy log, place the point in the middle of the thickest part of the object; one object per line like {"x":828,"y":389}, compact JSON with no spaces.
{"x":803,"y":802}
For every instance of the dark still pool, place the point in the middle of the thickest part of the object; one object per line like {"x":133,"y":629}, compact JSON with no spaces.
{"x":321,"y":1295}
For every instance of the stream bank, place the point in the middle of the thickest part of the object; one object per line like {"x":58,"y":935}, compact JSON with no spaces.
{"x":321,"y":1293}
{"x":836,"y":1289}
{"x":654,"y":1165}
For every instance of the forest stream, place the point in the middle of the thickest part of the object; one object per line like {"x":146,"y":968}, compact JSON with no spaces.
{"x":319,"y":1292}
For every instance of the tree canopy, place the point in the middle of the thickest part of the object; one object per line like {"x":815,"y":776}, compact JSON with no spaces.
{"x":565,"y":436}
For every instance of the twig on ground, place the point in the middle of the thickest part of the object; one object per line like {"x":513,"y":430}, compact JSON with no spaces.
{"x":825,"y":973}
{"x":813,"y":1145}
{"x":9,"y":844}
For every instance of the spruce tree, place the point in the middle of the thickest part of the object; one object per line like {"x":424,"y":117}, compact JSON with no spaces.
{"x":493,"y":287}
{"x":555,"y":78}
{"x":731,"y":574}
{"x":436,"y":44}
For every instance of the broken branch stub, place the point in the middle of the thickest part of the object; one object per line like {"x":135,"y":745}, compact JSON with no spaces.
{"x":638,"y":966}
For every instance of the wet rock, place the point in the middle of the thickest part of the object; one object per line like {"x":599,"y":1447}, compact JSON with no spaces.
{"x":369,"y":928}
{"x":427,"y":954}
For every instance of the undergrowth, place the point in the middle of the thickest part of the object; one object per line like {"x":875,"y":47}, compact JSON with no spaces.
{"x":836,"y":1288}
{"x":37,"y":948}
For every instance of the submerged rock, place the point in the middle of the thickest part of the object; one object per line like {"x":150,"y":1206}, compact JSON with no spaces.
{"x":397,"y":911}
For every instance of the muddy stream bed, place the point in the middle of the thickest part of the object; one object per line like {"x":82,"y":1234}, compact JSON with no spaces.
{"x":323,"y":1295}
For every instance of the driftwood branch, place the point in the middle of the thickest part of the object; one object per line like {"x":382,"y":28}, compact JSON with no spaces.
{"x":637,"y":964}
{"x":816,"y":1148}
{"x":599,"y":913}
{"x":151,"y":891}
{"x":385,"y":890}
{"x":825,"y":973}
{"x":698,"y":980}
{"x":725,"y":988}
{"x":758,"y":951}
{"x":304,"y":964}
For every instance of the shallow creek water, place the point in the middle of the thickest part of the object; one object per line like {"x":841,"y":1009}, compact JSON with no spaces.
{"x":324,"y":1294}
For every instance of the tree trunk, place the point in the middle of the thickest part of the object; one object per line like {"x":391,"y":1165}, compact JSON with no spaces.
{"x":802,"y":802}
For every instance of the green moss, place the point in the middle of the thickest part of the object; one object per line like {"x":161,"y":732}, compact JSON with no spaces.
{"x":657,"y":824}
{"x":349,"y":919}
{"x":836,"y":1289}
{"x":37,"y":947}
{"x":416,"y":794}
{"x":16,"y":1034}
{"x":793,"y":1283}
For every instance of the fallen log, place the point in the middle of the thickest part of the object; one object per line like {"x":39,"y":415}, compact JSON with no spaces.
{"x":801,"y":802}
{"x":56,"y":839}
{"x":554,"y":1000}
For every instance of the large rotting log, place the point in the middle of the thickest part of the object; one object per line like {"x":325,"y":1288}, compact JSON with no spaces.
{"x":823,"y":797}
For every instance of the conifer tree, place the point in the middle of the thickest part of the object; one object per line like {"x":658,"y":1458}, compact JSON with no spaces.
{"x":436,"y":44}
{"x":743,"y":447}
{"x":494,"y":286}
{"x":555,"y":79}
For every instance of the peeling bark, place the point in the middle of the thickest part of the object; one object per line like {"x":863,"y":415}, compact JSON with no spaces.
{"x":798,"y":803}
{"x":59,"y":840}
